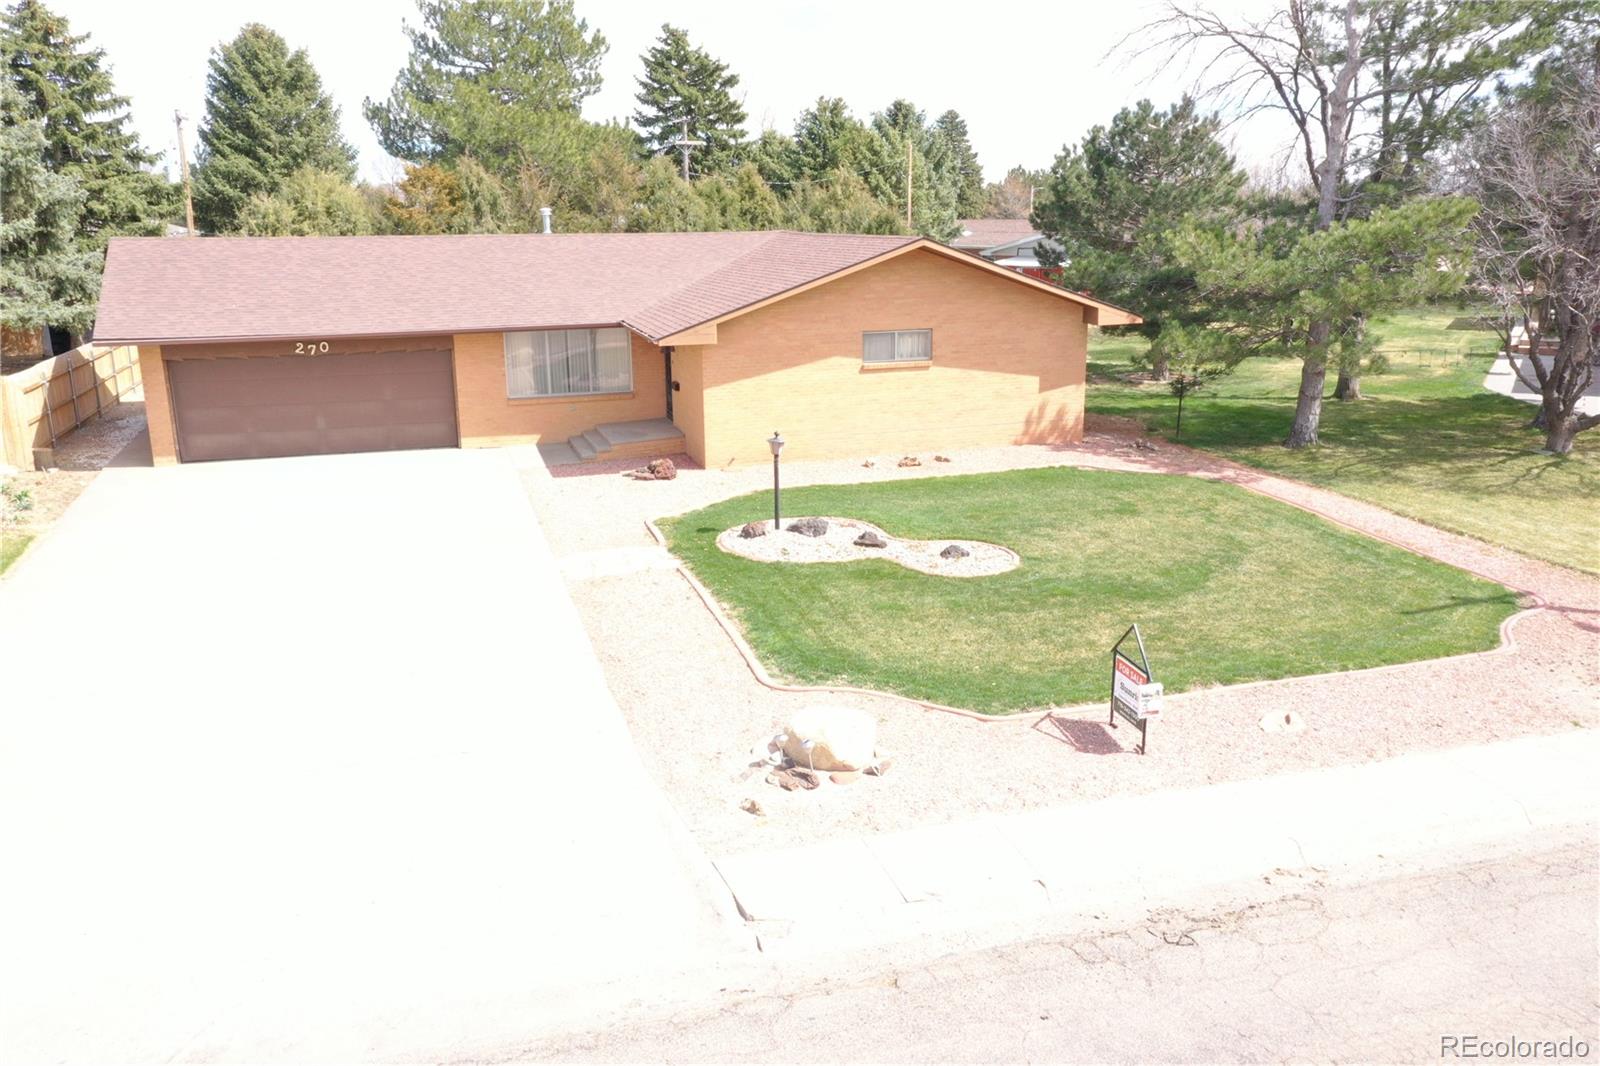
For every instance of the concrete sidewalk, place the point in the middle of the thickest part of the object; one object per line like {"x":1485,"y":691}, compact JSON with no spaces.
{"x":1152,"y":847}
{"x":1504,"y":380}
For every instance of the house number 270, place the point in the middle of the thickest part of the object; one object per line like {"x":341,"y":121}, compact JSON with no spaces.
{"x":310,"y":347}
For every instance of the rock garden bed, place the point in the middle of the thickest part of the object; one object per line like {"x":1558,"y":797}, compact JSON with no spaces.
{"x":845,"y":540}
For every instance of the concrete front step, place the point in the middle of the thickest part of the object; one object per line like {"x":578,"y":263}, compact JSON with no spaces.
{"x":628,"y":440}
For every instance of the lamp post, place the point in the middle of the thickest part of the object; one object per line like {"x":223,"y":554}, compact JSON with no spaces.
{"x":775,"y":442}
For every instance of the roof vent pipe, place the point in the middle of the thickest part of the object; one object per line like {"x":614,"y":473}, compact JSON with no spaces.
{"x":544,"y":214}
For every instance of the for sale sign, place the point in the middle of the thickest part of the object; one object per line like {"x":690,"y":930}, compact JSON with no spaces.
{"x":1135,"y":695}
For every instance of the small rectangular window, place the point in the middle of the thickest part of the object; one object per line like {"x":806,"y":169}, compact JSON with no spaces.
{"x":897,"y":346}
{"x":568,"y":362}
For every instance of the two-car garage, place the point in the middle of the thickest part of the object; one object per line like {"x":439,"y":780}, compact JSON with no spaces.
{"x":255,"y":401}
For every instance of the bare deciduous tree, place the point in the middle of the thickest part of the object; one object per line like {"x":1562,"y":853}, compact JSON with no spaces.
{"x":1535,"y":168}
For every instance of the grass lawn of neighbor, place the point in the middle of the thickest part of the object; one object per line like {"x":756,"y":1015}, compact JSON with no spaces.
{"x":11,"y":548}
{"x":1427,"y":441}
{"x":1212,"y":574}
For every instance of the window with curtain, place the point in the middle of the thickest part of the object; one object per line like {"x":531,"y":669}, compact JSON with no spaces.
{"x":568,"y":362}
{"x":897,"y":346}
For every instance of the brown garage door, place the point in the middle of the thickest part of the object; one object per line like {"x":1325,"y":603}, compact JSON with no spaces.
{"x":255,"y":408}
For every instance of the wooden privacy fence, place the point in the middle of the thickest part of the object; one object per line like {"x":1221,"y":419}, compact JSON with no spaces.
{"x":43,"y":403}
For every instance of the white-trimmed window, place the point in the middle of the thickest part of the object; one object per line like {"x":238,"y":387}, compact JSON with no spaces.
{"x":897,"y":346}
{"x":568,"y":362}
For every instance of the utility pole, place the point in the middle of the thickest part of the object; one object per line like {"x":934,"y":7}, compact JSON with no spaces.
{"x":683,"y":144}
{"x":908,"y":183}
{"x":183,"y":169}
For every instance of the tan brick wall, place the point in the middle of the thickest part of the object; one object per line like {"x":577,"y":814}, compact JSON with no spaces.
{"x":688,"y":403}
{"x":488,"y":418}
{"x":157,"y":406}
{"x":1008,"y":367}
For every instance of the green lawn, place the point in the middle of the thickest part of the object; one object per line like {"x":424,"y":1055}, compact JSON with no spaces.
{"x":11,"y":548}
{"x":1427,"y":441}
{"x":1209,"y":571}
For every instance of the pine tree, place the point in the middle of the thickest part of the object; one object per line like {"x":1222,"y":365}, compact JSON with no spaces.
{"x":46,"y":277}
{"x":935,"y":173}
{"x":66,"y":84}
{"x":266,"y":117}
{"x":1114,"y":201}
{"x":682,"y":82}
{"x":484,"y":76}
{"x":309,"y":203}
{"x":970,"y":194}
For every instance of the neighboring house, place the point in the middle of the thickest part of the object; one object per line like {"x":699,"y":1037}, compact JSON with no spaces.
{"x":621,"y":344}
{"x":1007,"y":242}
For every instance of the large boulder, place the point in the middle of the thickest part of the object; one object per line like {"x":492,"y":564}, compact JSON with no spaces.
{"x":751,"y":530}
{"x":842,"y":738}
{"x":954,"y":551}
{"x":810,"y":527}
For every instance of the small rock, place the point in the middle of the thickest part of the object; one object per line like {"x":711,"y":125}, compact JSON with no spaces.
{"x":881,"y":767}
{"x":809,"y":527}
{"x":910,"y":460}
{"x":1144,"y":445}
{"x":751,"y":530}
{"x":869,"y":463}
{"x":793,"y":778}
{"x":640,"y":475}
{"x":869,"y":539}
{"x":941,"y":458}
{"x":845,"y":777}
{"x":662,"y":469}
{"x":954,"y":551}
{"x":752,"y":807}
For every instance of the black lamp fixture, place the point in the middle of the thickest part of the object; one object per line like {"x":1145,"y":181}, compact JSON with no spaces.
{"x":775,"y":442}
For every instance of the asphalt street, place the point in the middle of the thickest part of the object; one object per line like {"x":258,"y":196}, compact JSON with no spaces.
{"x":1376,"y":965}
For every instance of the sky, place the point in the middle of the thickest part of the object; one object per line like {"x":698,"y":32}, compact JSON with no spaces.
{"x":1026,"y":79}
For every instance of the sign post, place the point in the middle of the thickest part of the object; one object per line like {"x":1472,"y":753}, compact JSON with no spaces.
{"x":1134,"y":694}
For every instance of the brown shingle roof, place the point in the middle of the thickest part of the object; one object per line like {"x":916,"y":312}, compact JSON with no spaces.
{"x":978,"y":233}
{"x":231,"y":288}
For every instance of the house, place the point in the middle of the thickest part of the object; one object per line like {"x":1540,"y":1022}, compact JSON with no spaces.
{"x":1008,"y":242}
{"x":621,"y":344}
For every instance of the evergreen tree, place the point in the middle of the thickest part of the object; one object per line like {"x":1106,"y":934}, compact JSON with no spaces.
{"x":309,"y":203}
{"x":64,"y":82}
{"x":46,"y":277}
{"x":774,"y":156}
{"x":1114,"y":201}
{"x":828,"y":138}
{"x":681,"y":82}
{"x":485,"y":75}
{"x":266,"y":117}
{"x":935,"y":170}
{"x":459,"y":198}
{"x":971,"y":196}
{"x":840,"y":202}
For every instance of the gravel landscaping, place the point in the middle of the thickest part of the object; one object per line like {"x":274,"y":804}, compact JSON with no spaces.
{"x":700,"y":717}
{"x":845,"y":540}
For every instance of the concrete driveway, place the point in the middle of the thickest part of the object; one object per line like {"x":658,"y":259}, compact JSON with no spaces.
{"x":311,"y":759}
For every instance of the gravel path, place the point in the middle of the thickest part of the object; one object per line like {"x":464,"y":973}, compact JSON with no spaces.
{"x":696,"y":710}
